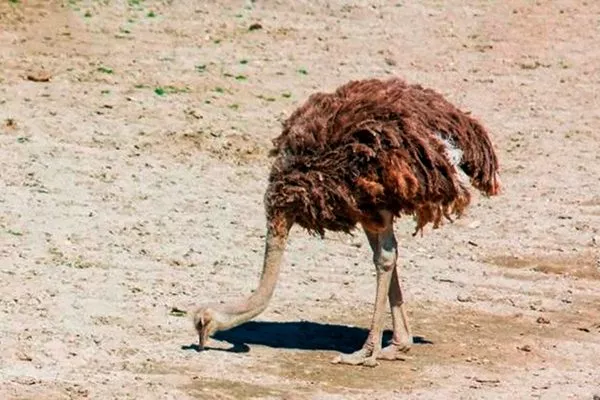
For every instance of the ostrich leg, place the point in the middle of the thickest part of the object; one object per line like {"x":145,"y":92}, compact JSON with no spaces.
{"x":402,"y":338}
{"x":384,"y":247}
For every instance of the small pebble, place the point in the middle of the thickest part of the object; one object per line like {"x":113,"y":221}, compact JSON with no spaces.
{"x":464,"y":298}
{"x":38,"y":76}
{"x":526,"y":348}
{"x":23,"y":356}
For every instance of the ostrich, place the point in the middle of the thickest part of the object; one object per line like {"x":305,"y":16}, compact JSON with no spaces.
{"x":364,"y":155}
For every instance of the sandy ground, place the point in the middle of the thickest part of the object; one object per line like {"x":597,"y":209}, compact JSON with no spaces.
{"x":133,"y":141}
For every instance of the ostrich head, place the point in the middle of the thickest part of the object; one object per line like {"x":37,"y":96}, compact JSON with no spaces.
{"x":208,"y":320}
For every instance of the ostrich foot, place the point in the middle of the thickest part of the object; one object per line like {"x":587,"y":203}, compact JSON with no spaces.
{"x":368,"y":357}
{"x":395,"y":351}
{"x":363,"y":356}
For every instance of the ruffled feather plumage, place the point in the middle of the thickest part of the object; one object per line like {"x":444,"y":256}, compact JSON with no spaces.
{"x":374,"y":145}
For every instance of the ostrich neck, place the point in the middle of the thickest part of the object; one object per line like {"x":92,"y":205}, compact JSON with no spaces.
{"x":236,"y":313}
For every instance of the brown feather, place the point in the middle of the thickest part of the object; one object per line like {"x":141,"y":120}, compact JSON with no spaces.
{"x":373,"y":145}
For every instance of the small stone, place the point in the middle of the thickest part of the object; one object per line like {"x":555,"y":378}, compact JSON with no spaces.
{"x":464,"y":298}
{"x":488,"y":381}
{"x":255,"y":26}
{"x":38,"y":76}
{"x":10,"y":123}
{"x":23,"y":356}
{"x":25,"y":380}
{"x":474,"y":224}
{"x":526,"y":348}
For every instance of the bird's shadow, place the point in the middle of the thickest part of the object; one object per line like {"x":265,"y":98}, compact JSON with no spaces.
{"x":302,"y":335}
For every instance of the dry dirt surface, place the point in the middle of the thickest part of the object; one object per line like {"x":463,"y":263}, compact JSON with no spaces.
{"x":133,"y":160}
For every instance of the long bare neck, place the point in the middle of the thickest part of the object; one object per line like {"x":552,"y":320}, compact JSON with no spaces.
{"x":234,"y":314}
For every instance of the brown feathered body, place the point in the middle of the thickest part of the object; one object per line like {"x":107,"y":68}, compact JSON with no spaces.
{"x":377,"y":145}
